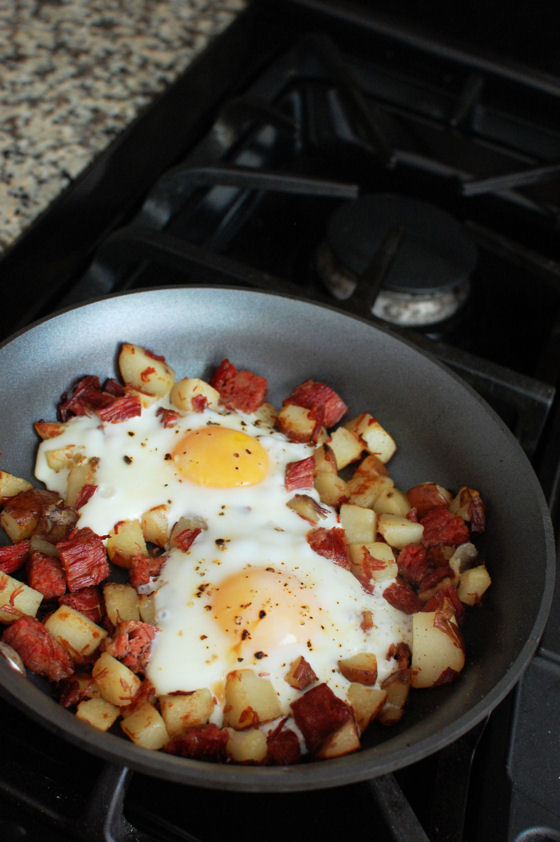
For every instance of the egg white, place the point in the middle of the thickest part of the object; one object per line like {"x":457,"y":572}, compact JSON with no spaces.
{"x":247,"y":528}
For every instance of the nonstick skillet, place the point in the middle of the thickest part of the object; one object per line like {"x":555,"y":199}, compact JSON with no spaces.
{"x":445,"y":433}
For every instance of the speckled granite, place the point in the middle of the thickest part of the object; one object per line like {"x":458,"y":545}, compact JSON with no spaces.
{"x":73,"y":74}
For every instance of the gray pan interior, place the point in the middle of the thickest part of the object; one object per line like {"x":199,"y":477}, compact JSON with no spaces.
{"x":445,"y":433}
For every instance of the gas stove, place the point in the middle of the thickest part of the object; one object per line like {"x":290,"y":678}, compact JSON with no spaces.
{"x":334,"y":152}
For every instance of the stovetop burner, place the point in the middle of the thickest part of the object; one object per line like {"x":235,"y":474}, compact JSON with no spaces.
{"x":416,"y":258}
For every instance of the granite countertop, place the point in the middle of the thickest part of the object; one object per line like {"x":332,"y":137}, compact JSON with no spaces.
{"x":73,"y":74}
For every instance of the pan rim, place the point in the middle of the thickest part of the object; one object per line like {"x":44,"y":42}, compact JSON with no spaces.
{"x":316,"y":774}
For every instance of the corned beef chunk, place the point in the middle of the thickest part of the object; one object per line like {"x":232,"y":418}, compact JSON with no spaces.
{"x":13,"y":556}
{"x":202,"y":742}
{"x":46,"y":574}
{"x":84,"y":559}
{"x":239,"y":389}
{"x":131,"y":644}
{"x":87,"y":601}
{"x":39,"y":650}
{"x":312,"y":394}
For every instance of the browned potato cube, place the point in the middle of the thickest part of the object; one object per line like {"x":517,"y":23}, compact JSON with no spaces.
{"x":121,"y":602}
{"x":331,"y":488}
{"x":126,"y":540}
{"x":144,"y":371}
{"x":438,"y":650}
{"x":98,"y":712}
{"x":64,"y":458}
{"x":375,"y":437}
{"x":307,"y":508}
{"x":249,"y":699}
{"x":366,"y":703}
{"x":248,"y":746}
{"x":359,"y":523}
{"x":343,"y":741}
{"x":80,"y":475}
{"x":266,"y":415}
{"x":473,"y":584}
{"x":117,"y":684}
{"x":298,"y":424}
{"x":181,"y":711}
{"x":145,"y":727}
{"x":300,"y":674}
{"x":397,"y":687}
{"x":155,"y":525}
{"x":190,"y":389}
{"x":346,"y":446}
{"x":360,"y":668}
{"x":77,"y":633}
{"x":11,"y":485}
{"x":16,"y":599}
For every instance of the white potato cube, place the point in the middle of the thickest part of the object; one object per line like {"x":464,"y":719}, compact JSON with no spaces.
{"x":375,"y":437}
{"x":145,"y":371}
{"x":126,"y":540}
{"x":392,"y":501}
{"x":80,"y":475}
{"x":249,"y":699}
{"x":17,"y":598}
{"x":346,"y":446}
{"x":121,"y":602}
{"x":98,"y":712}
{"x":117,"y":684}
{"x":11,"y":485}
{"x":248,"y":746}
{"x":181,"y":711}
{"x":398,"y":531}
{"x":77,"y":633}
{"x":438,"y":650}
{"x":343,"y":741}
{"x":373,"y":561}
{"x":155,"y":525}
{"x":359,"y":523}
{"x":190,"y":389}
{"x":146,"y":728}
{"x":366,"y":702}
{"x":473,"y":584}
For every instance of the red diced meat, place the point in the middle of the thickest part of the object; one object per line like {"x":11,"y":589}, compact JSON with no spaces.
{"x":433,"y":576}
{"x":311,"y":394}
{"x":144,"y":569}
{"x":84,"y":559}
{"x":402,"y":597}
{"x":299,"y":474}
{"x":239,"y":389}
{"x":39,"y":650}
{"x":184,"y":539}
{"x":86,"y":492}
{"x":13,"y":556}
{"x":168,"y":417}
{"x":412,"y":563}
{"x":202,"y":742}
{"x":131,"y":644}
{"x":331,"y":544}
{"x":113,"y":387}
{"x":449,"y":594}
{"x":282,"y":746}
{"x":86,"y":397}
{"x":46,"y":575}
{"x":425,"y":497}
{"x":318,"y":713}
{"x":87,"y":601}
{"x":443,"y":527}
{"x":121,"y":409}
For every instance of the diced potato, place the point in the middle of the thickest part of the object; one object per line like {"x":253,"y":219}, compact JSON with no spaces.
{"x":11,"y":485}
{"x":117,"y":684}
{"x":145,"y":400}
{"x":266,"y":415}
{"x":397,"y":687}
{"x":87,"y":688}
{"x":372,"y":562}
{"x":366,"y":485}
{"x":144,"y":371}
{"x":324,"y":460}
{"x":473,"y":584}
{"x":249,"y":699}
{"x":39,"y":544}
{"x":121,"y":602}
{"x":192,"y":388}
{"x":346,"y":446}
{"x":359,"y":523}
{"x":331,"y":488}
{"x":307,"y":508}
{"x":18,"y":524}
{"x":78,"y":634}
{"x":64,"y":458}
{"x":181,"y":711}
{"x":398,"y":531}
{"x":438,"y":651}
{"x":155,"y":525}
{"x":248,"y":746}
{"x":366,"y":703}
{"x":300,"y":674}
{"x":462,"y":557}
{"x":17,"y":598}
{"x":147,"y":608}
{"x":375,"y":437}
{"x":360,"y":668}
{"x":392,"y":501}
{"x":125,"y":540}
{"x":49,"y":429}
{"x":146,"y":728}
{"x":80,"y":474}
{"x":184,"y":524}
{"x":343,"y":741}
{"x":298,"y":424}
{"x":98,"y":712}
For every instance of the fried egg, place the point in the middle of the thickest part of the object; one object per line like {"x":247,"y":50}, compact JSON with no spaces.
{"x":250,"y":592}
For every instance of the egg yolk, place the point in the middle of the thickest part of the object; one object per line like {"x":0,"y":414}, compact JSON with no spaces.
{"x":221,"y":458}
{"x":261,"y":609}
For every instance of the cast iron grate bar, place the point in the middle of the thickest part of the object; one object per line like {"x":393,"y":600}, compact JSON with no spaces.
{"x":240,"y":110}
{"x":467,"y":101}
{"x":361,"y":114}
{"x":170,"y":192}
{"x":511,"y":181}
{"x":397,"y":812}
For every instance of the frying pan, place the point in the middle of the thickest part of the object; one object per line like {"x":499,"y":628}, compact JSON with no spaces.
{"x":445,"y":433}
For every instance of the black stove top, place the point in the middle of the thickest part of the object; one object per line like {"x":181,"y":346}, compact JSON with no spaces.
{"x":303,"y":118}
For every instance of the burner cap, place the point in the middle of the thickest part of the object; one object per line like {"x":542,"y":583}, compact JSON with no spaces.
{"x":434,"y":254}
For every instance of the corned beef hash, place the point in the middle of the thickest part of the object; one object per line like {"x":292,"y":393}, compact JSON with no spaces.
{"x":277,"y":594}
